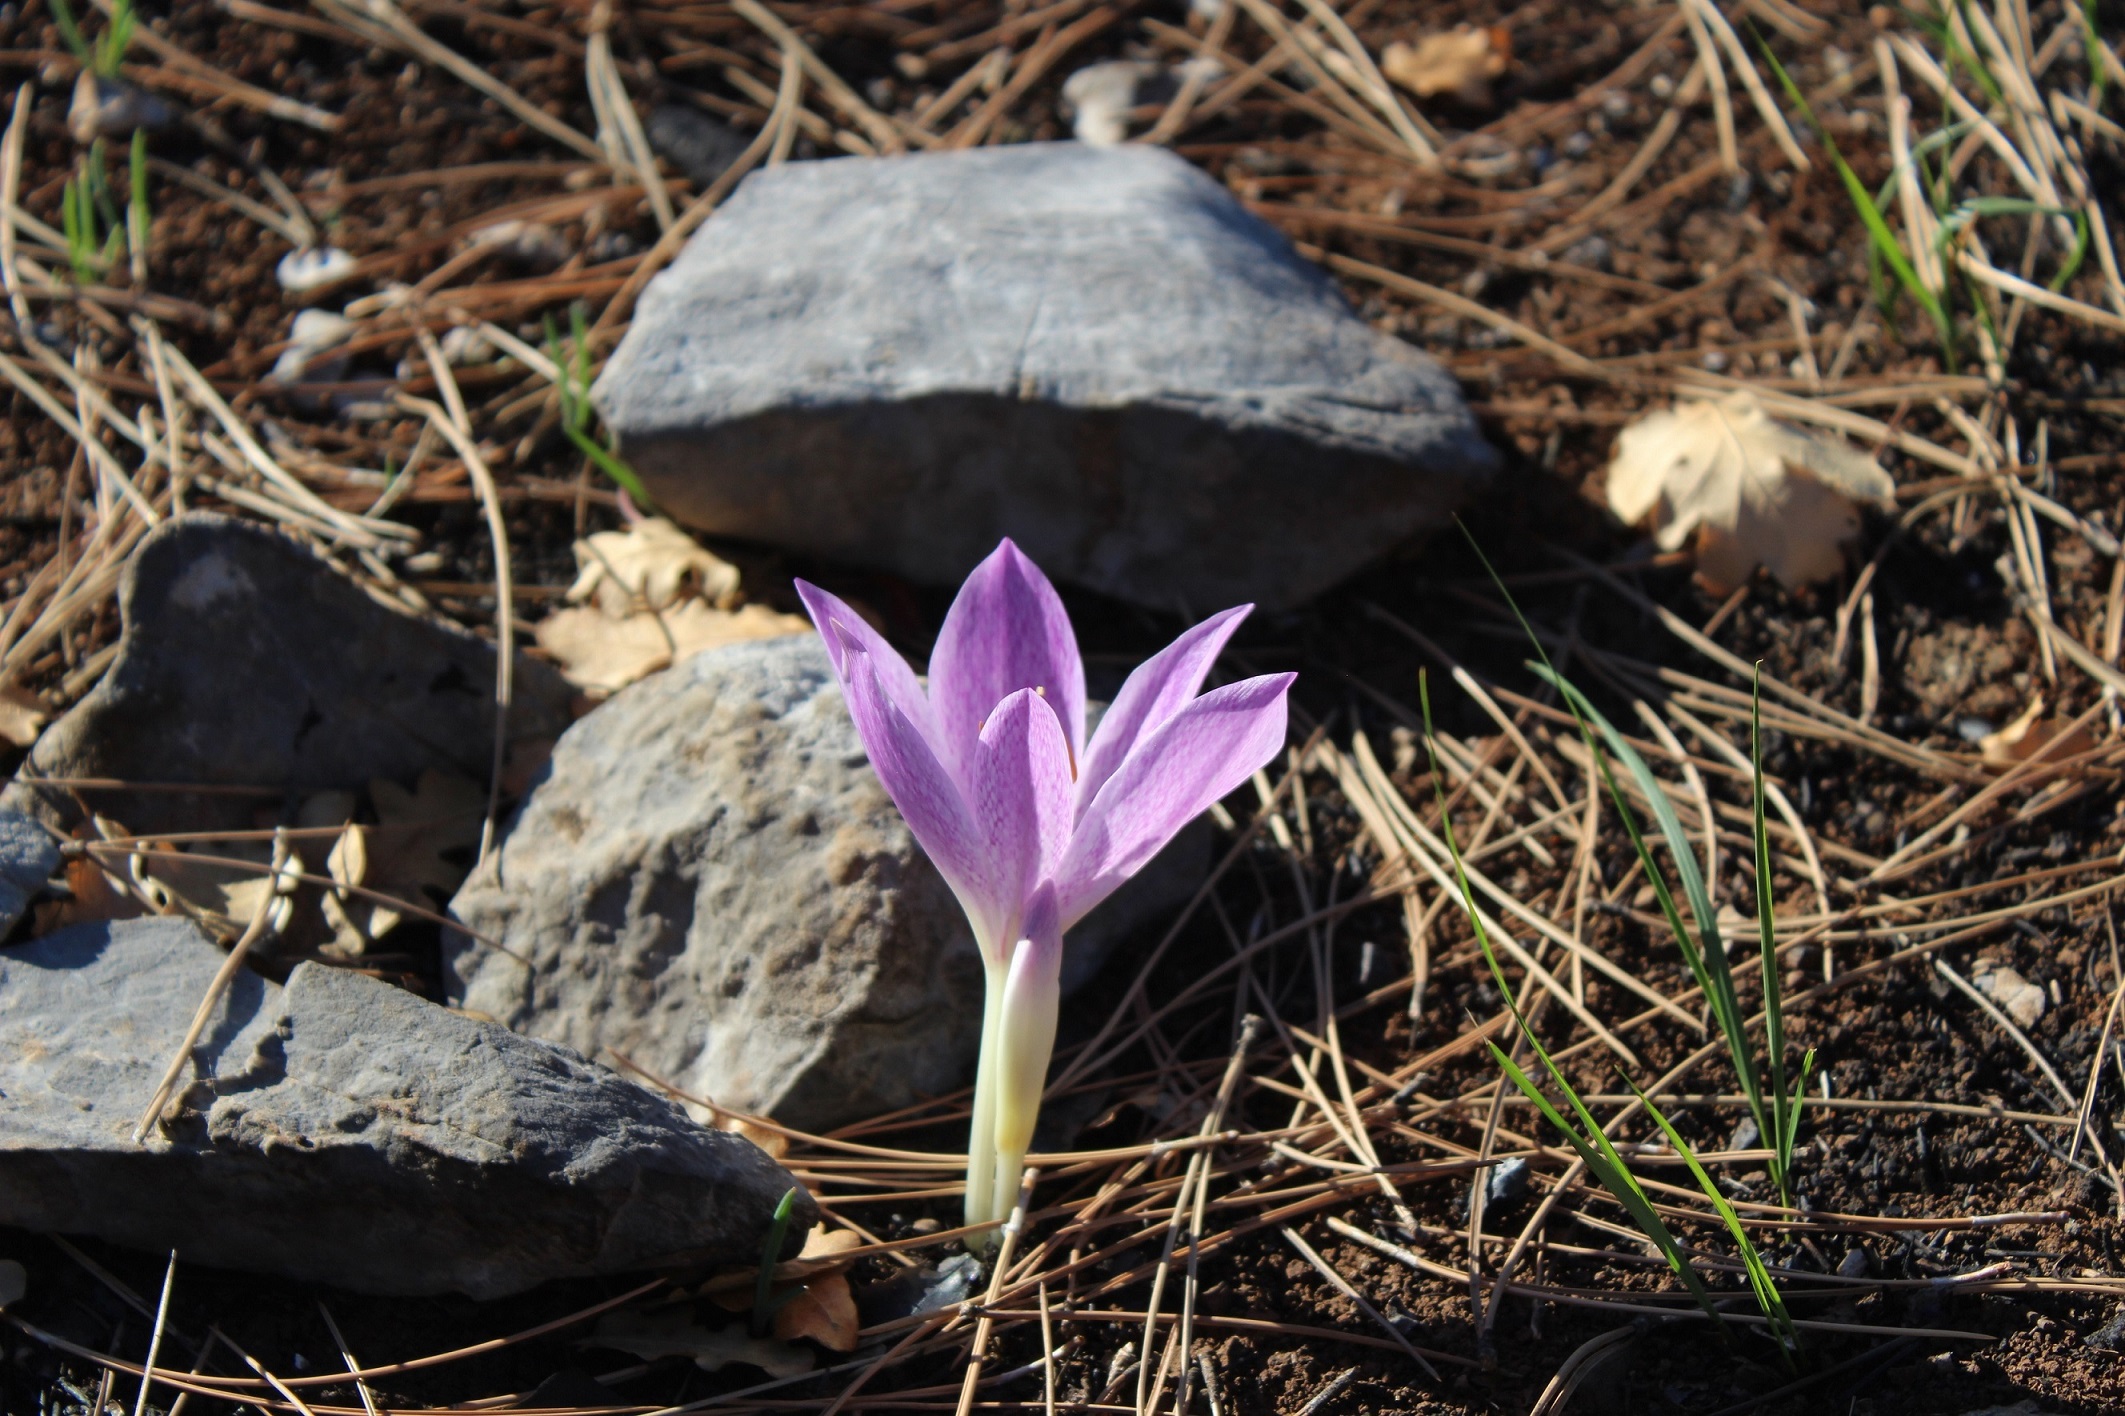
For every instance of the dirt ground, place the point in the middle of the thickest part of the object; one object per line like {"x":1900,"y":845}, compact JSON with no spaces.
{"x":1693,"y":272}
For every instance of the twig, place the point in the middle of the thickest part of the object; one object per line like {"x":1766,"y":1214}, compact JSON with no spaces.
{"x":261,"y":915}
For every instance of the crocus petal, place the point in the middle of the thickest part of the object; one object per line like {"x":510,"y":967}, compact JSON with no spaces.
{"x":1158,"y":689}
{"x":930,"y":801}
{"x":1006,"y":630}
{"x":1193,"y":758}
{"x":1020,"y":792}
{"x":847,"y":634}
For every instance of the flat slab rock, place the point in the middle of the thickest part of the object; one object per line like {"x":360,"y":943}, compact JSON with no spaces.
{"x":711,"y":882}
{"x":342,"y":1131}
{"x":1097,"y":351}
{"x":247,"y":660}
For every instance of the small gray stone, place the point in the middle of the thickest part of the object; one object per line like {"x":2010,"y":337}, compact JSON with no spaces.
{"x":711,"y":882}
{"x":1508,"y":1183}
{"x":247,"y":660}
{"x":28,"y":858}
{"x":343,"y":1131}
{"x":699,"y":146}
{"x":1097,"y":351}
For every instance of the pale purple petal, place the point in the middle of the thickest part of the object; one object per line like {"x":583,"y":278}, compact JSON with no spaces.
{"x":1007,"y":630}
{"x":847,"y":633}
{"x":930,"y":801}
{"x":1157,"y":690}
{"x":1021,"y":796}
{"x":1199,"y":754}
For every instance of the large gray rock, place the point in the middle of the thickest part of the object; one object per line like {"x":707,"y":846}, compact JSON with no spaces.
{"x":343,"y":1131}
{"x":712,"y":883}
{"x":896,"y":361}
{"x":247,"y":660}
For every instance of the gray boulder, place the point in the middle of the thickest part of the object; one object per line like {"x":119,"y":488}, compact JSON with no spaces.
{"x":343,"y":1131}
{"x":1097,"y":351}
{"x":711,"y":882}
{"x":247,"y":660}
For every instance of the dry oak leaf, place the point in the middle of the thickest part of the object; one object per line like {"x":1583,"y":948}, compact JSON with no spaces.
{"x":22,"y":716}
{"x":416,"y":852}
{"x":648,"y":566}
{"x":823,"y":1311}
{"x":602,"y":655}
{"x":2030,"y":734}
{"x":1460,"y":61}
{"x":1752,"y":490}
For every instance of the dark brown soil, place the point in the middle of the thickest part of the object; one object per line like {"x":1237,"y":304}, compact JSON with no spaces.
{"x":1955,"y":652}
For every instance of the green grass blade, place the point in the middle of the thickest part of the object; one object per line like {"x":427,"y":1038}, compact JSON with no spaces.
{"x":770,"y":1255}
{"x":70,"y":32}
{"x":1707,"y":955}
{"x":116,"y":39}
{"x":1870,"y":214}
{"x":1587,"y":1139}
{"x":1768,"y":1299}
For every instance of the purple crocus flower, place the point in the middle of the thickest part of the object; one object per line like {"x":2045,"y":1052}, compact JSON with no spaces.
{"x":1030,"y":824}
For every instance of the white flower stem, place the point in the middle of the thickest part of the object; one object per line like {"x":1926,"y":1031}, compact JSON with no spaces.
{"x":981,"y":1134}
{"x":1032,"y":997}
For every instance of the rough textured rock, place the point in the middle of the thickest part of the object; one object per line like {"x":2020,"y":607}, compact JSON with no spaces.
{"x":896,"y":361}
{"x":28,"y":858}
{"x":343,"y":1131}
{"x":711,"y":882}
{"x":247,"y":660}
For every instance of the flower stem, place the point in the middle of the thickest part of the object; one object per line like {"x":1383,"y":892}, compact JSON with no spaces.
{"x":981,"y":1134}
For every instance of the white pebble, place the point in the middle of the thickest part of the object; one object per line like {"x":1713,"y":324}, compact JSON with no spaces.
{"x":312,"y":267}
{"x":1101,"y":96}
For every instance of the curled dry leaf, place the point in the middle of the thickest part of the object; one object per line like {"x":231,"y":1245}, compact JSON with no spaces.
{"x":602,"y":655}
{"x":649,"y":566}
{"x":673,"y":1333}
{"x":418,"y":851}
{"x":653,"y":597}
{"x":823,"y":1311}
{"x":1752,"y":490}
{"x":1461,"y":61}
{"x":2031,"y":733}
{"x":22,"y":716}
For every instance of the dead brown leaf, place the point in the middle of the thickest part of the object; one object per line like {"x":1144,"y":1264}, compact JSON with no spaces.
{"x":418,"y":852}
{"x":824,"y":1311}
{"x":602,"y":655}
{"x":650,"y":565}
{"x":2031,"y":733}
{"x":1751,"y":490}
{"x":22,"y":715}
{"x":1461,"y":61}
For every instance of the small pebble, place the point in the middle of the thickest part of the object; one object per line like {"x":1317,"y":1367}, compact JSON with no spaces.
{"x":462,"y":345}
{"x":312,"y":267}
{"x":1854,"y":1264}
{"x":1578,"y":144}
{"x":1594,"y":253}
{"x":1662,"y":86}
{"x":1508,"y":1182}
{"x":1100,"y":97}
{"x":112,"y":108}
{"x":1714,"y":360}
{"x":609,"y":246}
